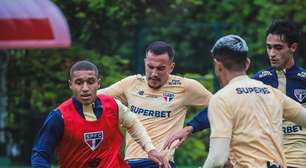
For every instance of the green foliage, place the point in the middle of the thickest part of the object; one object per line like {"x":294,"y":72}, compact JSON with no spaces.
{"x":113,"y":35}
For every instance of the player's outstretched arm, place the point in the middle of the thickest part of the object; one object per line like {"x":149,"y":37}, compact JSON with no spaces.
{"x":178,"y":137}
{"x":159,"y":157}
{"x":300,"y":118}
{"x":198,"y":123}
{"x":140,"y":135}
{"x":293,"y":111}
{"x":218,"y":153}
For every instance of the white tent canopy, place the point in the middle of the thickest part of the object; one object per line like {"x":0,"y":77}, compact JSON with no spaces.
{"x":32,"y":24}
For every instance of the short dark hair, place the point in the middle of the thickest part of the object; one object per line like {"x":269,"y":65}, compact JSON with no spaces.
{"x":232,"y":51}
{"x":83,"y":65}
{"x":286,"y":29}
{"x":160,"y":47}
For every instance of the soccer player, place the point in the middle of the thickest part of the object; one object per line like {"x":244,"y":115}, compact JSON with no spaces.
{"x":159,"y":100}
{"x":246,"y":115}
{"x":85,"y":128}
{"x":282,"y":40}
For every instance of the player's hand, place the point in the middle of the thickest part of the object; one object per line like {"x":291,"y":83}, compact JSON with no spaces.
{"x":181,"y":136}
{"x":228,"y":164}
{"x":159,"y":158}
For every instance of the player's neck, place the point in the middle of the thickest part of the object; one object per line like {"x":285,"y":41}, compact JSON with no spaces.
{"x":229,"y":75}
{"x":289,"y":64}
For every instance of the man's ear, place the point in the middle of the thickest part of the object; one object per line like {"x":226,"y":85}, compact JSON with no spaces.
{"x":70,"y":83}
{"x":172,"y":67}
{"x":247,"y":63}
{"x":293,"y":47}
{"x":99,"y":82}
{"x":218,"y":65}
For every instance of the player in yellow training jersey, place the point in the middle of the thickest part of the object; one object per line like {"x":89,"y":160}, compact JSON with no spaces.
{"x":246,"y":115}
{"x":159,"y":100}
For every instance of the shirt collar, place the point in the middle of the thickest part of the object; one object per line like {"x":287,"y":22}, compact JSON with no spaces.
{"x":292,"y":68}
{"x":97,"y":105}
{"x":239,"y":78}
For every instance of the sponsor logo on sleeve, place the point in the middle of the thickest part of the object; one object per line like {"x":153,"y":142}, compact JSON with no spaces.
{"x":300,"y":94}
{"x":93,"y":139}
{"x":175,"y":82}
{"x":302,"y":74}
{"x":264,"y":74}
{"x":168,"y":96}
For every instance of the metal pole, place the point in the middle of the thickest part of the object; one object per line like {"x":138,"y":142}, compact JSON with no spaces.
{"x":138,"y":57}
{"x":217,"y":32}
{"x":4,"y":59}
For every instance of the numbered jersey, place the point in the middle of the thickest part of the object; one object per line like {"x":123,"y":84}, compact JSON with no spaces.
{"x":292,"y":82}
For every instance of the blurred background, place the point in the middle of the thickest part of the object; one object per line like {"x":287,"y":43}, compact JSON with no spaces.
{"x":114,"y":34}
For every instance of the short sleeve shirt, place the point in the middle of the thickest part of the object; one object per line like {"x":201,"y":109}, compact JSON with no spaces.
{"x":162,"y":111}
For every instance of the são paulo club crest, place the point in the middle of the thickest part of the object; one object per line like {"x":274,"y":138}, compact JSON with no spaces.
{"x":300,"y":94}
{"x":93,"y":139}
{"x":168,"y":96}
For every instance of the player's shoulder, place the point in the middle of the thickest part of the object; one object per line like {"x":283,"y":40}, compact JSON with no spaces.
{"x":300,"y":72}
{"x":244,"y":85}
{"x":105,"y":97}
{"x":265,"y":73}
{"x":175,"y":80}
{"x":133,"y":78}
{"x":221,"y":95}
{"x":226,"y":91}
{"x":180,"y":80}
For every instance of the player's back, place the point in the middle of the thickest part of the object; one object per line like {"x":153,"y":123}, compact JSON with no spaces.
{"x":256,"y":114}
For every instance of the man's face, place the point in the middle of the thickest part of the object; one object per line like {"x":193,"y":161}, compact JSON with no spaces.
{"x":84,"y":85}
{"x":279,"y":52}
{"x":157,"y":69}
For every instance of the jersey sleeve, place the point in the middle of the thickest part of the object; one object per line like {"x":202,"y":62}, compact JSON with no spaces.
{"x":256,"y":76}
{"x":196,"y":94}
{"x":117,"y":89}
{"x":220,"y":118}
{"x":200,"y":121}
{"x":48,"y":138}
{"x":134,"y":127}
{"x":290,"y":107}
